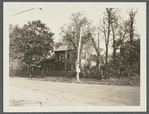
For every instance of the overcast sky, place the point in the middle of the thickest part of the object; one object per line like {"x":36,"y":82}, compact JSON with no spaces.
{"x":57,"y":14}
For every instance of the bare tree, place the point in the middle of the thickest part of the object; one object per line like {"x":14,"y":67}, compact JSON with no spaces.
{"x":132,"y":15}
{"x":105,"y":28}
{"x":114,"y":28}
{"x":71,"y":31}
{"x":95,"y":43}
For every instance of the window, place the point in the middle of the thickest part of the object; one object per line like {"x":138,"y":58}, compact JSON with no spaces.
{"x":33,"y":69}
{"x":46,"y":68}
{"x":53,"y":67}
{"x":83,"y":55}
{"x":49,"y":68}
{"x":37,"y":69}
{"x":66,"y":54}
{"x":72,"y":66}
{"x":65,"y":66}
{"x":74,"y":54}
{"x":68,"y":66}
{"x":58,"y":56}
{"x":61,"y":56}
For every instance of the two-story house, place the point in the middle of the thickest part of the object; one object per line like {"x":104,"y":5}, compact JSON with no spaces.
{"x":60,"y":62}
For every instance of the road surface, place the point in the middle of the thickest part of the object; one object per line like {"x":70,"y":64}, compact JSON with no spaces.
{"x":27,"y":92}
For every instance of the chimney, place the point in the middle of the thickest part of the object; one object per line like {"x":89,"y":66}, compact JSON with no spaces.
{"x":53,"y":48}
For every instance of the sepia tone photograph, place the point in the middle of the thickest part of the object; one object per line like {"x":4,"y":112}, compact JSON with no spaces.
{"x":74,"y":55}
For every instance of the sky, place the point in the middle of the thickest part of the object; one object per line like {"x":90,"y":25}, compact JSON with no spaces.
{"x":55,"y":15}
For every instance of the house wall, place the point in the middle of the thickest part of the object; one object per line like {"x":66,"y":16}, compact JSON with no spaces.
{"x":68,"y":60}
{"x":68,"y":56}
{"x":84,"y":56}
{"x":63,"y":63}
{"x":57,"y":67}
{"x":72,"y":58}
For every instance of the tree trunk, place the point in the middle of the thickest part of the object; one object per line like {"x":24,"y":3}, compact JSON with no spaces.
{"x":97,"y":65}
{"x":131,"y":31}
{"x":107,"y":42}
{"x":114,"y":55}
{"x":106,"y":54}
{"x":114,"y":51}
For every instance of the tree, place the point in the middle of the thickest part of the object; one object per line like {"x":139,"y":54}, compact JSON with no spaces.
{"x":95,"y":45}
{"x":114,"y":28}
{"x":131,"y":53}
{"x":131,"y":21}
{"x":71,"y":31}
{"x":12,"y":36}
{"x":105,"y":28}
{"x":71,"y":34}
{"x":119,"y":31}
{"x":14,"y":64}
{"x":33,"y":40}
{"x":129,"y":47}
{"x":132,"y":34}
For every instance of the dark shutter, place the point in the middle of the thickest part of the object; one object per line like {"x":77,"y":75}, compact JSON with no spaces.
{"x":65,"y":66}
{"x":68,"y":66}
{"x":68,"y":55}
{"x":84,"y":55}
{"x":49,"y":68}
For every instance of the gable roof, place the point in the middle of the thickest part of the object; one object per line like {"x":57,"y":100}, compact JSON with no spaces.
{"x":52,"y":56}
{"x":44,"y":62}
{"x":35,"y":63}
{"x":64,"y":47}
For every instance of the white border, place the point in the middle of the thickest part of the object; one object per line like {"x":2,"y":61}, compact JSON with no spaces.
{"x":143,"y":89}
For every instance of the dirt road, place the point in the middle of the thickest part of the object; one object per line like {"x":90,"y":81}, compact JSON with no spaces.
{"x":27,"y":92}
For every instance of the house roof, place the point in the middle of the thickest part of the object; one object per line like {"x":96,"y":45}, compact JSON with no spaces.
{"x":45,"y":62}
{"x":64,"y":47}
{"x":52,"y":56}
{"x":35,"y":63}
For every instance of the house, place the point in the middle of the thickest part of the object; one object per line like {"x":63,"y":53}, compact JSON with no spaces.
{"x":60,"y":62}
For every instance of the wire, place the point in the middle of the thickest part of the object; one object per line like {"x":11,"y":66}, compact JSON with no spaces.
{"x":22,"y":11}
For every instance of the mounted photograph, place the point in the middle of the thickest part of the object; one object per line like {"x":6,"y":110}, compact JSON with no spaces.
{"x":74,"y":56}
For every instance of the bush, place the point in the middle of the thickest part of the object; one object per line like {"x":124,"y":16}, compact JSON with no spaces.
{"x":93,"y":73}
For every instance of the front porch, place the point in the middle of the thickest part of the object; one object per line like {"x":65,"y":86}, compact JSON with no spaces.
{"x":52,"y":68}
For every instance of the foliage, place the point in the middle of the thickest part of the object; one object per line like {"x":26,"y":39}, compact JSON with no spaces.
{"x":127,"y":61}
{"x":125,"y":40}
{"x":33,"y":40}
{"x":131,"y":53}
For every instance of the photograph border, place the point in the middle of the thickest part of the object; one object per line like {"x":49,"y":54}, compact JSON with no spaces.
{"x":65,"y":109}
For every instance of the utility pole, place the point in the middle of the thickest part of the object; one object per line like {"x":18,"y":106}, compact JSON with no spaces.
{"x":78,"y":56}
{"x":98,"y":50}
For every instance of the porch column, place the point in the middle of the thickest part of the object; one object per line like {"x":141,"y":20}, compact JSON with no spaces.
{"x":42,"y":70}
